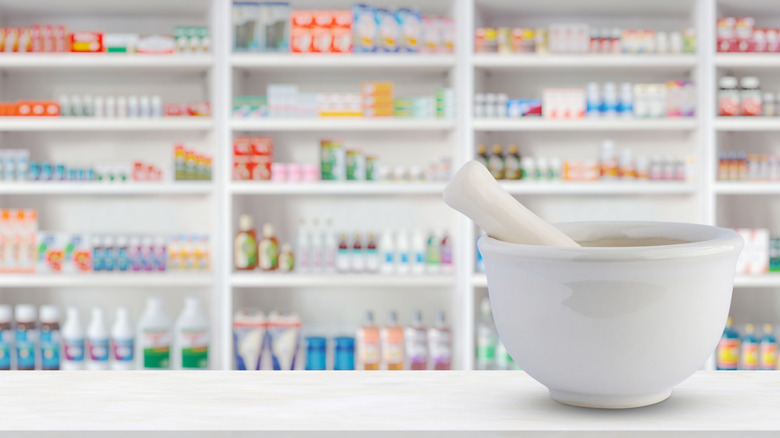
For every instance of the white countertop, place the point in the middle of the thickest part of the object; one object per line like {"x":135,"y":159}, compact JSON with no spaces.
{"x":400,"y":400}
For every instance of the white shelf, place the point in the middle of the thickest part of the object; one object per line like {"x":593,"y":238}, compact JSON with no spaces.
{"x":599,"y":188}
{"x":765,"y":280}
{"x":58,"y":61}
{"x":336,"y":188}
{"x":288,"y":280}
{"x":419,"y":62}
{"x":747,"y":188}
{"x":541,"y":124}
{"x":95,"y":124}
{"x":745,"y":61}
{"x":343,"y":124}
{"x":115,"y":279}
{"x":587,"y":61}
{"x":90,"y":188}
{"x":747,"y":123}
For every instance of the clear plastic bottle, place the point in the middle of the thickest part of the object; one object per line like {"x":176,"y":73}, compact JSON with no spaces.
{"x":317,"y":251}
{"x":418,"y":252}
{"x":416,"y":340}
{"x":392,"y":336}
{"x":268,"y":250}
{"x":440,"y":344}
{"x":486,"y":338}
{"x":358,"y":256}
{"x":343,"y":258}
{"x":303,"y":245}
{"x":767,"y":349}
{"x":445,"y":253}
{"x":122,"y":341}
{"x":245,"y":245}
{"x":97,"y":341}
{"x":73,"y":341}
{"x":368,"y":344}
{"x":373,"y":261}
{"x":748,"y":351}
{"x":329,"y":247}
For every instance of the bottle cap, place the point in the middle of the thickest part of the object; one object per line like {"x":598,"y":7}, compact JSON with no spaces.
{"x":417,"y":317}
{"x":24,"y":313}
{"x":50,"y":314}
{"x":749,"y":82}
{"x":268,"y":230}
{"x":749,"y":328}
{"x":727,"y":82}
{"x":768,"y":329}
{"x":440,"y":320}
{"x":392,"y":319}
{"x":5,"y":314}
{"x":496,"y":148}
{"x":369,"y":318}
{"x":73,"y":314}
{"x":122,"y":314}
{"x":245,"y":222}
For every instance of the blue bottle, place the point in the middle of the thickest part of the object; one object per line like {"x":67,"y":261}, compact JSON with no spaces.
{"x":316,"y":353}
{"x":748,"y":353}
{"x":728,"y":348}
{"x":344,"y":357}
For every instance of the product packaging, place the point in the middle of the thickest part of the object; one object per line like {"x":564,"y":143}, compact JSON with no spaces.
{"x":364,"y":29}
{"x":249,"y":338}
{"x":246,"y":26}
{"x":86,"y":42}
{"x":284,"y":338}
{"x":274,"y":27}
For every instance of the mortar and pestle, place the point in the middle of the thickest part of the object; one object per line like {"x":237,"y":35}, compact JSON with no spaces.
{"x":604,"y":314}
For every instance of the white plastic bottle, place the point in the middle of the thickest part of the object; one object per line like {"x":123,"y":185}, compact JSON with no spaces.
{"x":402,"y":253}
{"x":153,"y":337}
{"x":316,"y":261}
{"x":387,"y":249}
{"x":73,"y":341}
{"x":486,"y":338}
{"x":122,"y":341}
{"x":330,"y":246}
{"x":97,"y":341}
{"x":418,"y":252}
{"x":191,"y":343}
{"x":303,"y":244}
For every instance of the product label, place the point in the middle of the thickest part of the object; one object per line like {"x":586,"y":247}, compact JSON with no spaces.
{"x":728,"y":354}
{"x":269,"y":255}
{"x":342,"y":260}
{"x":74,"y":349}
{"x":416,"y":348}
{"x":6,"y":340}
{"x":123,"y":350}
{"x":97,"y":259}
{"x":768,"y":356}
{"x":394,"y":347}
{"x":98,"y":349}
{"x":156,"y":348}
{"x":124,"y":259}
{"x":368,"y":348}
{"x":194,"y":349}
{"x":404,"y":258}
{"x":749,"y":355}
{"x":372,"y":260}
{"x":389,"y":257}
{"x":25,"y":349}
{"x":246,"y":252}
{"x":50,"y":349}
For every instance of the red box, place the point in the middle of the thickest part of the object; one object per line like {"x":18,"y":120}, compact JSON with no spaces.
{"x":86,"y":42}
{"x":300,"y":33}
{"x":342,"y":40}
{"x":200,"y":109}
{"x":175,"y":109}
{"x":62,"y":41}
{"x":322,"y":39}
{"x":726,"y":34}
{"x":323,"y":18}
{"x":37,"y":108}
{"x":47,"y":38}
{"x":744,"y":34}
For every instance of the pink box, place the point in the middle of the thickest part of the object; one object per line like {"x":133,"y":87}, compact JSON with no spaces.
{"x":278,"y":172}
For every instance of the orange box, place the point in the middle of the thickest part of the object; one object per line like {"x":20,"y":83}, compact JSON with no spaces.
{"x":37,"y":108}
{"x":47,"y":38}
{"x":36,"y":36}
{"x":10,"y":39}
{"x":342,"y":39}
{"x":376,"y":88}
{"x":369,"y":112}
{"x":300,"y":33}
{"x":323,"y":18}
{"x":322,"y":39}
{"x":62,"y":41}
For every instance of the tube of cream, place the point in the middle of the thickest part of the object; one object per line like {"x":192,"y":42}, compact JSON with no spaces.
{"x":284,"y":334}
{"x":249,"y":329}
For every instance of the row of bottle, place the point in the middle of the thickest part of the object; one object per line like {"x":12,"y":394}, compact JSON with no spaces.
{"x":739,"y":166}
{"x":512,"y":166}
{"x":154,"y":344}
{"x":321,"y":249}
{"x":747,"y":99}
{"x":747,"y":352}
{"x":110,"y":106}
{"x":490,"y":351}
{"x":394,"y":347}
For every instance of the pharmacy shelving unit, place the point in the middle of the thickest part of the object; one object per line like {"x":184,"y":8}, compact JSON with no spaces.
{"x":331,"y":304}
{"x":132,"y":208}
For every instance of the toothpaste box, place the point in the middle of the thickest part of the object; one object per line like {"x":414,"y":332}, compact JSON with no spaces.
{"x":341,"y":31}
{"x":301,"y":31}
{"x":523,"y":107}
{"x":364,"y":29}
{"x":86,"y":42}
{"x":410,"y":23}
{"x":388,"y":31}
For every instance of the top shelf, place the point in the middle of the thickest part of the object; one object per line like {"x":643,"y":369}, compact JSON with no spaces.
{"x":60,"y":61}
{"x":419,"y":62}
{"x":496,"y":61}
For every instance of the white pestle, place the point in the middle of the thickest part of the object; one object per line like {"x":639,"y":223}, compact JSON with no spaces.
{"x":474,"y":192}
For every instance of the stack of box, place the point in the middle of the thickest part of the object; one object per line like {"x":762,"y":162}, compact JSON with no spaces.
{"x":18,"y":232}
{"x":282,"y":100}
{"x":445,"y":103}
{"x":37,"y":38}
{"x":754,"y":258}
{"x":563,"y":103}
{"x":321,"y":31}
{"x":252,"y":158}
{"x":190,"y":165}
{"x":377,"y":98}
{"x":62,"y":253}
{"x":339,"y":105}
